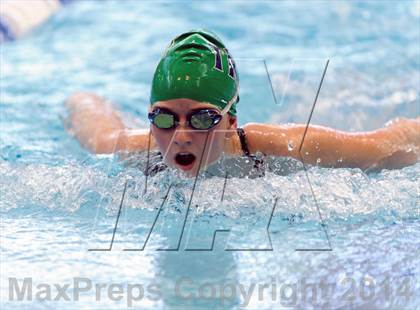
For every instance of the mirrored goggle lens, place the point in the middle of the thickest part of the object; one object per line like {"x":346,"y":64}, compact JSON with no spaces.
{"x":164,"y":121}
{"x":204,"y":120}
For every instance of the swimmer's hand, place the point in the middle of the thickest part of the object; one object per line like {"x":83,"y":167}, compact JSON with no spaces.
{"x":405,"y":134}
{"x":99,"y":127}
{"x":394,"y":146}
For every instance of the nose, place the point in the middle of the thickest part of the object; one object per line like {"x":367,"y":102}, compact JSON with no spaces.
{"x":183,"y":135}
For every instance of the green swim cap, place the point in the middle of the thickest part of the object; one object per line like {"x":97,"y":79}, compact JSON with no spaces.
{"x":197,"y":65}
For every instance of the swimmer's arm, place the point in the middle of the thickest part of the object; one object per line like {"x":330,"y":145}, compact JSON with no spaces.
{"x":99,"y":127}
{"x":393,"y":146}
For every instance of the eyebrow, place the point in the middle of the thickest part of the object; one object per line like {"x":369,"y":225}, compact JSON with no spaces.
{"x":204,"y":108}
{"x":163,"y":109}
{"x":189,"y":112}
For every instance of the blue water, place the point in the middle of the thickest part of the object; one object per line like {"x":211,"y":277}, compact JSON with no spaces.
{"x":58,"y":201}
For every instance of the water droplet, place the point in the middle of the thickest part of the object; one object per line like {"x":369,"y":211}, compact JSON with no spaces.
{"x":318,"y":160}
{"x":290,"y":146}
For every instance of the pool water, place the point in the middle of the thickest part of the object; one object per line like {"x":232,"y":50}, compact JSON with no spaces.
{"x":60,"y":204}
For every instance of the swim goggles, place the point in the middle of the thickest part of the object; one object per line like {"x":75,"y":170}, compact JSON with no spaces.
{"x":200,"y":119}
{"x":203,"y":119}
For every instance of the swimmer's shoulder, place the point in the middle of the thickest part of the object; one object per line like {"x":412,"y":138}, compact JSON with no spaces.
{"x":265,"y":138}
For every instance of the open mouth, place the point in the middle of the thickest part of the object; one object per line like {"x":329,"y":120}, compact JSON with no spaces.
{"x":185,"y":159}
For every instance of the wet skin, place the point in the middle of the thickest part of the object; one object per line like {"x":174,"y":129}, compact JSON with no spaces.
{"x":100,"y":128}
{"x":205,"y":145}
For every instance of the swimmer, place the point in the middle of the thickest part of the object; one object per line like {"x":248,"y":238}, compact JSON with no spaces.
{"x":192,"y":113}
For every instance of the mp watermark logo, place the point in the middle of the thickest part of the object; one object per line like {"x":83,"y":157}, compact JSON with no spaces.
{"x":203,"y":161}
{"x":287,"y":294}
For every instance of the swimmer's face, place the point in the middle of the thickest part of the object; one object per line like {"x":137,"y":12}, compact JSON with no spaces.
{"x":182,"y":147}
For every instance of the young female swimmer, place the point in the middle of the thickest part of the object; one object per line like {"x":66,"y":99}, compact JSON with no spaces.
{"x":193,"y":116}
